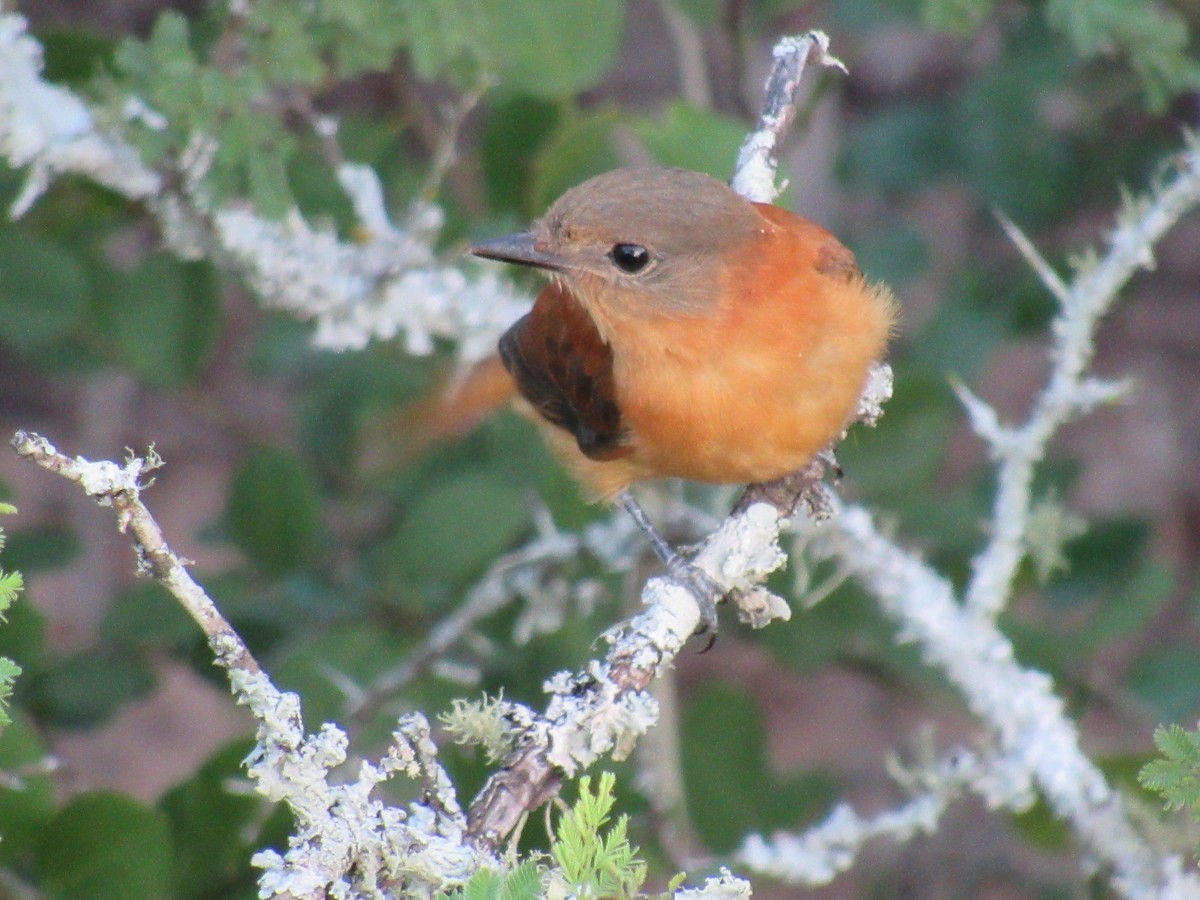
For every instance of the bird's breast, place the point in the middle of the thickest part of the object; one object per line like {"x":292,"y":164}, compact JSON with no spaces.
{"x":752,"y":390}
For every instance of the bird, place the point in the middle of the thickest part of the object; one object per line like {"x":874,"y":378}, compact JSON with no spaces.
{"x":687,"y":332}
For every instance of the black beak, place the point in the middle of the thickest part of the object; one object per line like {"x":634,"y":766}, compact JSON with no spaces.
{"x":518,"y":249}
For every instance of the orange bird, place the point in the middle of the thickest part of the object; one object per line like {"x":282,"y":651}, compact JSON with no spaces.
{"x":690,"y":333}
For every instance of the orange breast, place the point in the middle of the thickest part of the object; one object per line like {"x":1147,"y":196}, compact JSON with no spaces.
{"x":755,"y":390}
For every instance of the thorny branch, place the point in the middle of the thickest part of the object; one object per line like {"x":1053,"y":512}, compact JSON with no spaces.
{"x":1069,"y":392}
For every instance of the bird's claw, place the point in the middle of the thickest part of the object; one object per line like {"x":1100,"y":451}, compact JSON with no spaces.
{"x":704,"y":590}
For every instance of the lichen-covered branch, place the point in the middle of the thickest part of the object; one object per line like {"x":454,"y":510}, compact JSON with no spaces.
{"x":388,"y":284}
{"x":757,"y":163}
{"x":345,"y":844}
{"x":120,"y":487}
{"x":1069,"y":391}
{"x":603,"y":708}
{"x":818,"y":855}
{"x":1038,"y":746}
{"x":1036,"y":740}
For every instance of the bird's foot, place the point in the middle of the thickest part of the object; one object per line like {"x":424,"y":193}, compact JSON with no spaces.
{"x":704,"y":590}
{"x":789,"y":493}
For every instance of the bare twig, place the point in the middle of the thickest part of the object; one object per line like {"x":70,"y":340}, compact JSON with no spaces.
{"x":445,"y":150}
{"x":754,"y":177}
{"x":120,"y":487}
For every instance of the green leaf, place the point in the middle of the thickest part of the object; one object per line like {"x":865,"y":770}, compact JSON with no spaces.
{"x":692,"y":138}
{"x":725,"y":763}
{"x":146,"y":615}
{"x":1107,"y":555}
{"x":704,"y":12}
{"x":580,"y":147}
{"x":41,"y":548}
{"x":596,"y":863}
{"x":1165,"y":678}
{"x":960,"y":16}
{"x":273,"y":508}
{"x":267,"y":175}
{"x":74,"y":56}
{"x":43,"y":288}
{"x":86,"y":688}
{"x":1154,"y":36}
{"x":212,"y":826}
{"x":160,"y":319}
{"x":1001,"y":139}
{"x":901,"y":148}
{"x":542,"y":52}
{"x":354,"y":652}
{"x":516,"y":129}
{"x":1131,"y":606}
{"x":1177,"y":744}
{"x":23,"y":636}
{"x":1176,"y":778}
{"x":529,"y":44}
{"x":1042,"y":828}
{"x":105,"y":846}
{"x":895,"y":254}
{"x":890,"y":461}
{"x":521,"y":883}
{"x":26,"y":802}
{"x":451,"y":531}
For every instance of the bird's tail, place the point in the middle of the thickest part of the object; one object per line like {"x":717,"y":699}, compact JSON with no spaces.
{"x":451,"y":410}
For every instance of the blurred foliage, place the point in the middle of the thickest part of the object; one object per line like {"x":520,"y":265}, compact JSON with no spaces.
{"x":1176,"y":776}
{"x":351,"y":549}
{"x":11,"y":585}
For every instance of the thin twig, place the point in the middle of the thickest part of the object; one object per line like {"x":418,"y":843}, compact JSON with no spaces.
{"x":445,"y":150}
{"x":757,"y":164}
{"x":120,"y":487}
{"x":1083,"y":304}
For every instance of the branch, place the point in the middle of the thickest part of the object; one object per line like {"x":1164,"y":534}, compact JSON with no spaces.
{"x":603,"y":708}
{"x":1039,"y":744}
{"x":120,"y":487}
{"x":754,"y":177}
{"x":1038,"y":747}
{"x":821,"y":853}
{"x":342,"y":836}
{"x":1068,"y":392}
{"x":388,"y":284}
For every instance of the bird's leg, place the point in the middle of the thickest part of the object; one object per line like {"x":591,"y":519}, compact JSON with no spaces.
{"x":706,"y":592}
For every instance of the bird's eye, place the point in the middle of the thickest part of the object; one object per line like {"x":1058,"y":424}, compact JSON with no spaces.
{"x":630,"y":258}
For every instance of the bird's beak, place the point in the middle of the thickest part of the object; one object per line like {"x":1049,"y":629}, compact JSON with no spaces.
{"x":519,"y":249}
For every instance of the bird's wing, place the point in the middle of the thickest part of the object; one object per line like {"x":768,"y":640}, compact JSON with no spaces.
{"x":565,"y":370}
